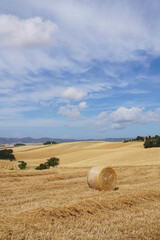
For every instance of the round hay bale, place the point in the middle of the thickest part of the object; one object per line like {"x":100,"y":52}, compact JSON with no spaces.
{"x":102,"y":178}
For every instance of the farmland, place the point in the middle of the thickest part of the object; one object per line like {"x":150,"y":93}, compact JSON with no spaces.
{"x":58,"y":204}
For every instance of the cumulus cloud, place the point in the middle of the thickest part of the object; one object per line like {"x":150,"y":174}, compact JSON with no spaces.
{"x":71,"y":113}
{"x":31,"y":32}
{"x":74,"y":93}
{"x":124,"y":114}
{"x":123,"y":117}
{"x":82,"y":105}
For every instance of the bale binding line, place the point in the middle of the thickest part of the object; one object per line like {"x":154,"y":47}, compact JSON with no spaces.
{"x":102,"y":178}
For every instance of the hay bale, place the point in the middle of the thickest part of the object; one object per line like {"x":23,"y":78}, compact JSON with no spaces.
{"x":102,"y":178}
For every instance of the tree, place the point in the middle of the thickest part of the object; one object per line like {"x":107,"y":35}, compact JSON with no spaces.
{"x":42,"y":166}
{"x":7,"y":154}
{"x":148,"y":143}
{"x":22,"y":165}
{"x":19,"y":144}
{"x":152,"y":142}
{"x":139,"y":138}
{"x":49,"y":142}
{"x":52,"y":162}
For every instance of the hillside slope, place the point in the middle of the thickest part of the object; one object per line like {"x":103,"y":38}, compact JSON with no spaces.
{"x":58,"y":204}
{"x":86,"y":154}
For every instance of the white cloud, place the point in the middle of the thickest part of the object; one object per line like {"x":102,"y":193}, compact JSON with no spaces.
{"x":122,"y":28}
{"x":38,"y":56}
{"x":82,"y":105}
{"x":74,"y":93}
{"x":123,"y":117}
{"x":15,"y":32}
{"x":71,"y":113}
{"x":102,"y":115}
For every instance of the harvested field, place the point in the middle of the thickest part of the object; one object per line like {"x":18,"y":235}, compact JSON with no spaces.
{"x":10,"y":165}
{"x":58,"y":204}
{"x":88,"y":154}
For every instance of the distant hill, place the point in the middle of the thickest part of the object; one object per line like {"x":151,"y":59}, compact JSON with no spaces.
{"x":115,"y":139}
{"x":29,"y":140}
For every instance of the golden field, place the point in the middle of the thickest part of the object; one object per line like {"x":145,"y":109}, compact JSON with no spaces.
{"x":58,"y":204}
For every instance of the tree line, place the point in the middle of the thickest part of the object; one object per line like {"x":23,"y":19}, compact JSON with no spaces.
{"x":152,"y":141}
{"x":149,"y":141}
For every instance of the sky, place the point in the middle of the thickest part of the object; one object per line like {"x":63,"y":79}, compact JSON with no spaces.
{"x":79,"y":68}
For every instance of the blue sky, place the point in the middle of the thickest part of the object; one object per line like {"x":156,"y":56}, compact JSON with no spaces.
{"x":79,"y":69}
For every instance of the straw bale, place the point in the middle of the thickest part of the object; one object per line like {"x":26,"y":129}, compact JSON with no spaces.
{"x":102,"y":178}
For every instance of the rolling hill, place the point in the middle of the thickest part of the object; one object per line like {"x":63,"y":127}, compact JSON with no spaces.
{"x":58,"y":204}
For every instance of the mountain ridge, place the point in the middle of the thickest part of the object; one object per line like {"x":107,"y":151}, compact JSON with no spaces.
{"x":27,"y":140}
